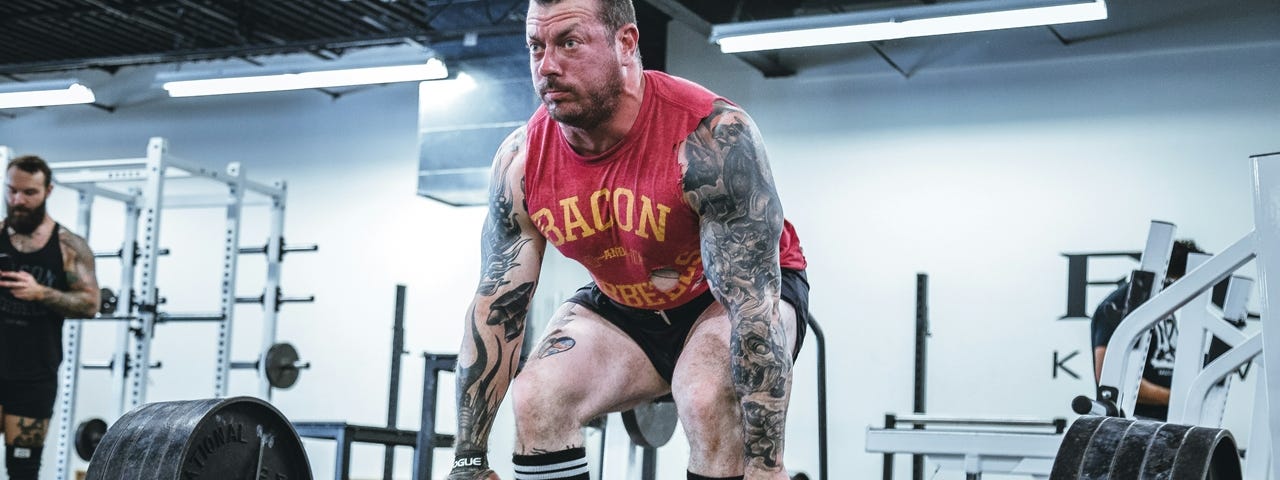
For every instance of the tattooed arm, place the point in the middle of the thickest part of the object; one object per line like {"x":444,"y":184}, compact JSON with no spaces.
{"x":81,"y":299}
{"x":728,"y":182}
{"x":494,"y":329}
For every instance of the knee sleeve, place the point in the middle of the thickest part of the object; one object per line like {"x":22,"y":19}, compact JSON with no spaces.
{"x":568,"y":464}
{"x":23,"y":463}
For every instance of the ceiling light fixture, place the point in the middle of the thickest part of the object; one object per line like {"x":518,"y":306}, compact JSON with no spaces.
{"x":918,"y":21}
{"x":431,"y":70}
{"x":44,"y":94}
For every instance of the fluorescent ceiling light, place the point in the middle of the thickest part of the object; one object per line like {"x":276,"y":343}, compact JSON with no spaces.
{"x":44,"y":94}
{"x":431,"y":70}
{"x":938,"y":19}
{"x":437,"y":94}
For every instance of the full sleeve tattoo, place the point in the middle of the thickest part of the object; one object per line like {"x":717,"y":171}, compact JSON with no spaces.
{"x":494,"y":329}
{"x":728,"y":182}
{"x":82,"y":298}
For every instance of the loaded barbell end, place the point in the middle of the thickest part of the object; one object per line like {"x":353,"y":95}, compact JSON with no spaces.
{"x":1087,"y":406}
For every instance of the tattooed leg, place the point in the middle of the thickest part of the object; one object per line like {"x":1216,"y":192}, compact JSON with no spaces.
{"x":24,"y":431}
{"x":710,"y":412}
{"x":584,"y":367}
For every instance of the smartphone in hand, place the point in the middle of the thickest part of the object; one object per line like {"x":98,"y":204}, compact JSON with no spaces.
{"x":7,"y":264}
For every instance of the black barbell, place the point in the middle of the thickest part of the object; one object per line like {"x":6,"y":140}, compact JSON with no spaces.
{"x":241,"y":438}
{"x":282,"y":368}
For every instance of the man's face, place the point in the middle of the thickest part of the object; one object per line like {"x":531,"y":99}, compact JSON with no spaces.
{"x":574,"y":62}
{"x":25,"y":195}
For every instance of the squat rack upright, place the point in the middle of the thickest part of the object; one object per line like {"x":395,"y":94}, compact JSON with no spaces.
{"x":139,"y":253}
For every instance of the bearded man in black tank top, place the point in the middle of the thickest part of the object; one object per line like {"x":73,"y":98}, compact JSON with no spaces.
{"x":48,"y":275}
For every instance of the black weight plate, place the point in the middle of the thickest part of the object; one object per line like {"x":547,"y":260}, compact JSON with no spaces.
{"x":107,"y":300}
{"x":130,"y":454}
{"x":1096,"y":464}
{"x":1196,"y":456}
{"x":114,"y":455}
{"x":239,"y":438}
{"x":173,"y":433}
{"x":1067,"y":464}
{"x":651,"y":424}
{"x":88,"y":434}
{"x":1225,"y":464}
{"x":1157,"y":464}
{"x":281,"y":369}
{"x":1133,"y":447}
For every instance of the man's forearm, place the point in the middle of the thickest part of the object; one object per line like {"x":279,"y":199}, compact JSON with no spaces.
{"x":71,"y":304}
{"x":761,"y":374}
{"x":487,"y":362}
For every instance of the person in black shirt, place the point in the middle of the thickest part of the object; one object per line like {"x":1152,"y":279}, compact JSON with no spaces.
{"x":1157,"y":375}
{"x":46,"y":275}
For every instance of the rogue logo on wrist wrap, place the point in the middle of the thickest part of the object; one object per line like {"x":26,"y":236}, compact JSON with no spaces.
{"x":470,"y":461}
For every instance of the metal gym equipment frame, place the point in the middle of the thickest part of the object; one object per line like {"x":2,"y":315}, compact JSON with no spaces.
{"x":1120,"y":375}
{"x":138,"y":255}
{"x":1200,"y":389}
{"x":345,"y":435}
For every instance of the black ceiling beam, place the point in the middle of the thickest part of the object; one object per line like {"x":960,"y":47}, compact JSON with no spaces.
{"x":767,"y":63}
{"x":63,"y":12}
{"x":111,"y":10}
{"x":216,"y":53}
{"x":653,"y":36}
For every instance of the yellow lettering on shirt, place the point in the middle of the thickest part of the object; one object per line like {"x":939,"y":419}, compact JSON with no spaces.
{"x":546,"y":223}
{"x":658,"y":224}
{"x":600,"y":209}
{"x":573,"y":220}
{"x":624,"y":217}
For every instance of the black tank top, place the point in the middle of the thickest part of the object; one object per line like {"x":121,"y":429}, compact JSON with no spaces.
{"x":30,"y":332}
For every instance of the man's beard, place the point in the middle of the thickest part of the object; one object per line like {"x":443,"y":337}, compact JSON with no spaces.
{"x":24,"y":220}
{"x":595,"y":108}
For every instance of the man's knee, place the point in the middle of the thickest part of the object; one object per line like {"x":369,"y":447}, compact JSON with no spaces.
{"x":542,"y":402}
{"x":709,"y":414}
{"x":23,"y":463}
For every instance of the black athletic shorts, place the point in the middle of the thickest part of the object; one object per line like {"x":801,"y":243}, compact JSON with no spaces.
{"x":663,"y":342}
{"x":26,"y":398}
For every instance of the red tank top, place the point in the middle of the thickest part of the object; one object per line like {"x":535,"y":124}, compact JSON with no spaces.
{"x":622,"y":214}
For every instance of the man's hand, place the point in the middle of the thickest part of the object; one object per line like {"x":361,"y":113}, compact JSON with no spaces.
{"x":23,"y":286}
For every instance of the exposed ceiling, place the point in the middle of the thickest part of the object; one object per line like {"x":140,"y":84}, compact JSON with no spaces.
{"x":42,"y":38}
{"x":58,"y":35}
{"x":61,"y":35}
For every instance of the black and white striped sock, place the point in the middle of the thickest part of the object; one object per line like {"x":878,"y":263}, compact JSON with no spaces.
{"x":568,"y":464}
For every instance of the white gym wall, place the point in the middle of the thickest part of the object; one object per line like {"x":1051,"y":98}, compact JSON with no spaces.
{"x":980,"y":177}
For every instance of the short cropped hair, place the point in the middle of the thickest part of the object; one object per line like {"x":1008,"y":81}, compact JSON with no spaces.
{"x":32,"y":164}
{"x":613,"y":13}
